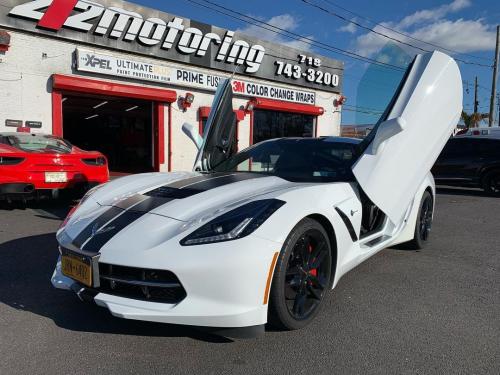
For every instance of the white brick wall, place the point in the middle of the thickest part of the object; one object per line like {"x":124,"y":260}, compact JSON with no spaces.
{"x":25,"y":93}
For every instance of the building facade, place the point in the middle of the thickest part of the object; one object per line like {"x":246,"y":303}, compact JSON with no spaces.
{"x":123,"y":79}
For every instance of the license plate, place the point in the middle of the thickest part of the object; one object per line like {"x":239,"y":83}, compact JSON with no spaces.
{"x":56,"y":177}
{"x":76,"y":269}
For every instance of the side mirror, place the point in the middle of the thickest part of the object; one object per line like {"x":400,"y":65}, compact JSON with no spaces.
{"x":386,"y":130}
{"x":192,"y":132}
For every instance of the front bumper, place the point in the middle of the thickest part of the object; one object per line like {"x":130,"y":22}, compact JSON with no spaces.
{"x":225,"y":283}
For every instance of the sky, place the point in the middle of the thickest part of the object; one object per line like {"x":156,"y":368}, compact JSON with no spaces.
{"x":463,"y":28}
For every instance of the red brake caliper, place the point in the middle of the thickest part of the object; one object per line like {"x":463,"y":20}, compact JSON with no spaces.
{"x":314,"y":271}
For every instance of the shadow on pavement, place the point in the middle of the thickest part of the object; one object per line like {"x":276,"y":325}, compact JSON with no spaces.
{"x":25,"y":270}
{"x":52,"y":209}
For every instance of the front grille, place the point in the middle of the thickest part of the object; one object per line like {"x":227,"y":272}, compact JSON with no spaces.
{"x":140,"y":283}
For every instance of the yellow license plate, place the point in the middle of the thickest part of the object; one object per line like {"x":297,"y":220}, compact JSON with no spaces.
{"x":76,"y":269}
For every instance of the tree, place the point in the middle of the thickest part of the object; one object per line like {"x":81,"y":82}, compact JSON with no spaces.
{"x":472,"y":120}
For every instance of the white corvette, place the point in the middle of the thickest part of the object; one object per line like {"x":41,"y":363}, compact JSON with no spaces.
{"x":263,"y":234}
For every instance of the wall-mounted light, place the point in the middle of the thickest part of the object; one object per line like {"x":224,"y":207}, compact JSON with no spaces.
{"x":337,"y":102}
{"x":186,"y":101}
{"x":4,"y":41}
{"x":251,"y":104}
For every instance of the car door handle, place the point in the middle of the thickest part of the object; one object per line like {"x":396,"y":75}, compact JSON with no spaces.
{"x":353,"y":212}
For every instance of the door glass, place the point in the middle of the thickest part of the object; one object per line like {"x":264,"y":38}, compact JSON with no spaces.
{"x":376,"y":85}
{"x":273,"y":124}
{"x":202,"y":130}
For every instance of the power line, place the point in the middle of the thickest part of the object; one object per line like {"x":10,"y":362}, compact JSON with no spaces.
{"x":289,"y":34}
{"x":382,"y":34}
{"x":361,"y":111}
{"x":275,"y":29}
{"x":365,"y":108}
{"x":404,"y":34}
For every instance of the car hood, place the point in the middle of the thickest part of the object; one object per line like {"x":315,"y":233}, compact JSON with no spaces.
{"x":186,"y":196}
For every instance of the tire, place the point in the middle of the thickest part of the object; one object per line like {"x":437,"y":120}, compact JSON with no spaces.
{"x":424,"y":222}
{"x":491,"y":182}
{"x":299,"y":284}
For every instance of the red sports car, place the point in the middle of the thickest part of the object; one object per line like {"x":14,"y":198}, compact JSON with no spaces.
{"x":37,"y":163}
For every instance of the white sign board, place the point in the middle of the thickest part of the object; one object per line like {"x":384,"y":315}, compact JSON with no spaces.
{"x":88,"y":61}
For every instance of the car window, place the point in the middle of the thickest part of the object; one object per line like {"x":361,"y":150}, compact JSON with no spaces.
{"x":455,"y":148}
{"x":488,"y":147}
{"x":39,"y":143}
{"x":313,"y":160}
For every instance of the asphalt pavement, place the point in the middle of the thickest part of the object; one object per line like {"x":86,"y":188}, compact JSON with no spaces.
{"x":401,"y":312}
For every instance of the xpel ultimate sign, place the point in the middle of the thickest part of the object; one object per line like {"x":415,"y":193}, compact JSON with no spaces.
{"x":119,"y":25}
{"x":89,"y":61}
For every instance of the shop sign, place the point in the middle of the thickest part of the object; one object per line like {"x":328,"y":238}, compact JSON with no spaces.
{"x":273,"y":92}
{"x":139,"y":30}
{"x":88,"y":61}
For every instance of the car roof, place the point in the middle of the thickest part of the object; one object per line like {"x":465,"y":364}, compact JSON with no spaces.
{"x":332,"y":139}
{"x":491,"y":137}
{"x":6,"y":134}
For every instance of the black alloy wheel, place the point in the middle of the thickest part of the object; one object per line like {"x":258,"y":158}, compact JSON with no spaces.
{"x":491,"y":182}
{"x":424,"y":222}
{"x":302,"y":276}
{"x":426,"y":218}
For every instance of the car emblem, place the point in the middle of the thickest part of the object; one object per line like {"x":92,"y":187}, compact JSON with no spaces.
{"x":96,"y":230}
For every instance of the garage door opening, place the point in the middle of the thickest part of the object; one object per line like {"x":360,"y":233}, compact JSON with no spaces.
{"x":120,"y":128}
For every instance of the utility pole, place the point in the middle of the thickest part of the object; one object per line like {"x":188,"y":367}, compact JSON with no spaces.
{"x":494,"y":83}
{"x":474,"y":124}
{"x":475,"y":95}
{"x":498,"y":105}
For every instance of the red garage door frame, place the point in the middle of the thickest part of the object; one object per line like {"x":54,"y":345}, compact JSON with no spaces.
{"x":160,"y":97}
{"x":283,"y":106}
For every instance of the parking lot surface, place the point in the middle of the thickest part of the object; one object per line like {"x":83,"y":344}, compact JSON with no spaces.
{"x":401,"y":312}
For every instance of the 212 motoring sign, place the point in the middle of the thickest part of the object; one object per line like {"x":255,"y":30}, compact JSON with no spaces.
{"x":125,"y":26}
{"x":89,"y":61}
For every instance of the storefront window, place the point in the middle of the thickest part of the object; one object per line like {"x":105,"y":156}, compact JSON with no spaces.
{"x":274,"y":124}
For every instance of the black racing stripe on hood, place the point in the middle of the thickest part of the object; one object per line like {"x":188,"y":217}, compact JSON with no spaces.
{"x":209,"y":182}
{"x":101,"y":220}
{"x":111,"y":213}
{"x":120,"y":222}
{"x":106,"y":216}
{"x":117,"y":217}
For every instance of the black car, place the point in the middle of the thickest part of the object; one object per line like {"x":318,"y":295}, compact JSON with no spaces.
{"x":471,"y":162}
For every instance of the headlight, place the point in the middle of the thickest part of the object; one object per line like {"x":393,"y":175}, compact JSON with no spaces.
{"x":234,"y":224}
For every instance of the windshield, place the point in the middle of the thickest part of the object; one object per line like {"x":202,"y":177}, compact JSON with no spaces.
{"x":296,"y":159}
{"x":39,"y":143}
